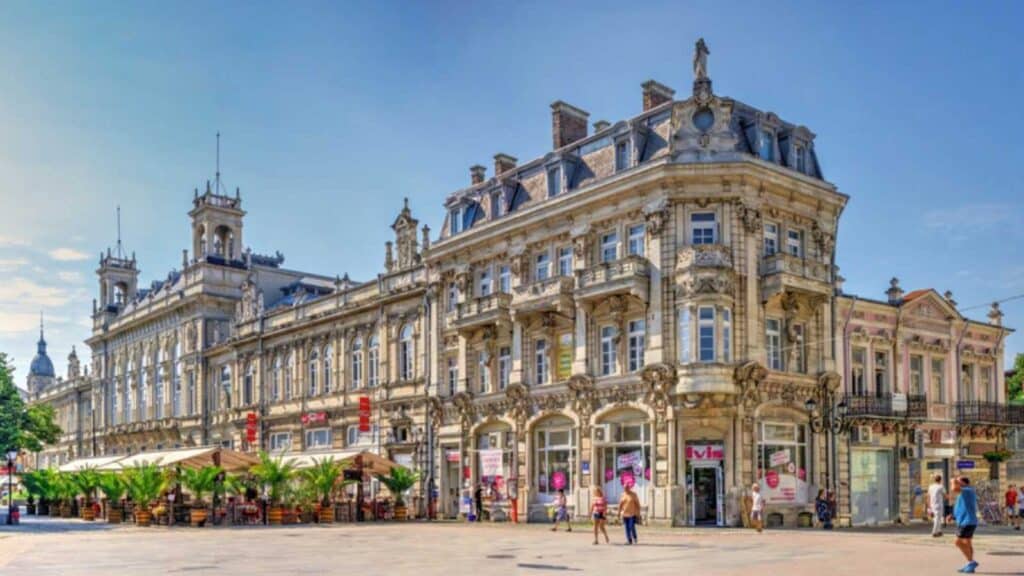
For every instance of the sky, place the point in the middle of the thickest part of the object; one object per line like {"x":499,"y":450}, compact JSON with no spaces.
{"x":331,"y":113}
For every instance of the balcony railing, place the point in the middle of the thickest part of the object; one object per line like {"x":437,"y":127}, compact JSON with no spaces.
{"x":628,"y":275}
{"x":978,"y":412}
{"x":543,"y":294}
{"x":886,"y":406}
{"x":483,"y":310}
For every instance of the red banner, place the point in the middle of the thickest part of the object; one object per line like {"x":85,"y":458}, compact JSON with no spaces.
{"x":364,"y":413}
{"x":314,"y":418}
{"x":250,"y":427}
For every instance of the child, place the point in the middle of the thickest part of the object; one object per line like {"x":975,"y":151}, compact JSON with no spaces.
{"x":561,"y":512}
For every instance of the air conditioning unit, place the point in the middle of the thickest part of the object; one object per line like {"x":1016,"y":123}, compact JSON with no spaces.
{"x":602,"y":433}
{"x":861,"y":435}
{"x":908,"y":453}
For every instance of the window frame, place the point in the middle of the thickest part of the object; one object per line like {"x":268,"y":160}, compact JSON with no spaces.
{"x":636,"y":343}
{"x":609,"y":360}
{"x":705,"y":354}
{"x":636,"y":240}
{"x":773,"y":343}
{"x":609,"y":246}
{"x":700,"y":228}
{"x":312,"y":433}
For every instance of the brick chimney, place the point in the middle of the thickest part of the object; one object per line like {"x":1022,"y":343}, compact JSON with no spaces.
{"x":656,"y":94}
{"x":477,"y":173}
{"x":568,"y":124}
{"x":601,"y":125}
{"x":503,"y":163}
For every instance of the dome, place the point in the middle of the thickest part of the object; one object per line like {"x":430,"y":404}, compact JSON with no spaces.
{"x":41,"y":364}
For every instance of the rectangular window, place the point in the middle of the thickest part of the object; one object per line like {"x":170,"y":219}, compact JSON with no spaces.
{"x":881,"y":374}
{"x":773,"y":343}
{"x":280,"y":441}
{"x":636,"y":240}
{"x":565,"y":261}
{"x":540,"y":357}
{"x":685,"y":354}
{"x":726,"y":335}
{"x":542,"y":267}
{"x":703,"y":228}
{"x":985,"y":392}
{"x":621,"y":155}
{"x":771,"y":238}
{"x":453,"y":376}
{"x":483,"y":368}
{"x":318,"y":438}
{"x":801,"y":160}
{"x":795,"y":243}
{"x":916,"y":375}
{"x":636,"y":344}
{"x":938,"y":389}
{"x":504,"y":366}
{"x":607,"y":350}
{"x":554,"y":182}
{"x":706,"y":334}
{"x":505,"y":279}
{"x":782,"y":455}
{"x":610,"y":247}
{"x":766,"y":146}
{"x":966,"y":381}
{"x":484,"y":281}
{"x":453,"y":297}
{"x":496,"y":206}
{"x":455,"y":221}
{"x":858,"y":359}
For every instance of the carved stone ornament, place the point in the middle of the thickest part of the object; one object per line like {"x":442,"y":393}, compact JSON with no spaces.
{"x":823,"y":240}
{"x":751,"y":218}
{"x":748,"y":377}
{"x":660,"y":378}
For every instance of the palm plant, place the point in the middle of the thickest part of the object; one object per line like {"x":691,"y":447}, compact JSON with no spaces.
{"x":35,"y":484}
{"x":113,"y":486}
{"x":65,"y":490}
{"x":399,"y":480}
{"x":200,"y":482}
{"x":322,"y":478}
{"x":275,"y":474}
{"x":145,"y":483}
{"x":87,"y":480}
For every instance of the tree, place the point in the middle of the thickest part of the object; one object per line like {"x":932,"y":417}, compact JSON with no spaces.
{"x":22,"y":427}
{"x":1015,"y":382}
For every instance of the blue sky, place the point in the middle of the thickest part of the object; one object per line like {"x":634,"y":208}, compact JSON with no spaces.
{"x":330,"y":114}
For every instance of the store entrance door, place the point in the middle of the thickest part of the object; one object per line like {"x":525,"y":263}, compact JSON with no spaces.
{"x":707,"y":498}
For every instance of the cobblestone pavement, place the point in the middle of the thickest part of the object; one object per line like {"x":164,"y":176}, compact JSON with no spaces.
{"x":63,"y":547}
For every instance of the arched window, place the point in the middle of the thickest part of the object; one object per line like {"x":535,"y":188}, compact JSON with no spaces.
{"x":374,"y":361}
{"x":275,"y":380}
{"x":405,"y":353}
{"x":247,"y":384}
{"x":357,"y":363}
{"x":289,"y":372}
{"x":314,"y":367}
{"x":328,"y":353}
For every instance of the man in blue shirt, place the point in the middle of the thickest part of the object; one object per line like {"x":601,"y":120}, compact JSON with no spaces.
{"x":966,"y":515}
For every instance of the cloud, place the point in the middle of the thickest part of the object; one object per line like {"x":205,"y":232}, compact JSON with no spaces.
{"x":962,"y":218}
{"x":68,"y":254}
{"x":24,"y":293}
{"x":8,"y":242}
{"x":11,"y":264}
{"x":70,"y":276}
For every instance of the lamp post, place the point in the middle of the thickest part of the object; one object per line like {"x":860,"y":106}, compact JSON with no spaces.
{"x":831,"y":419}
{"x":11,"y":455}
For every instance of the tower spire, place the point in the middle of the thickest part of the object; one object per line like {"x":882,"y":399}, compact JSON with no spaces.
{"x":120,"y":249}
{"x":217,"y":187}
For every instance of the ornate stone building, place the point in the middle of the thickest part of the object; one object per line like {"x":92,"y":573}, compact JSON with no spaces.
{"x":652,"y":303}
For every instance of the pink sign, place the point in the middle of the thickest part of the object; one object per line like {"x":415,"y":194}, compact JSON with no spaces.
{"x":609,"y":475}
{"x":558,"y":480}
{"x":627,"y":480}
{"x":772,"y":479}
{"x":705,"y":452}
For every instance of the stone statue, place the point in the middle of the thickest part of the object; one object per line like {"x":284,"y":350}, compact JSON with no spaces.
{"x":700,"y":61}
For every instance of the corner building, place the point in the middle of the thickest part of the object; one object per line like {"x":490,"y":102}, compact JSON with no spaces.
{"x":649,"y":303}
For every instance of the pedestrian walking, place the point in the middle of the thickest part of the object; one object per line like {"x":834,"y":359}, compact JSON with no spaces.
{"x":561,"y":512}
{"x":629,"y":511}
{"x":1012,"y":504}
{"x":965,"y":512}
{"x":598,"y":511}
{"x":937,"y":505}
{"x":478,"y":502}
{"x":757,"y":507}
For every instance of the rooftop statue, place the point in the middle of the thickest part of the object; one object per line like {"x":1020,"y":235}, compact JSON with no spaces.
{"x":700,"y":60}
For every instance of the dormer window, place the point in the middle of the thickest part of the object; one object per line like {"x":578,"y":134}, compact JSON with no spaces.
{"x":801,"y":159}
{"x":455,"y":220}
{"x":497,"y":209}
{"x":766,"y":146}
{"x":554,"y":181}
{"x":621,"y":155}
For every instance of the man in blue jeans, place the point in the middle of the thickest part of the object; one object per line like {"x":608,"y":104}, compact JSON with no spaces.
{"x":629,"y":511}
{"x":966,"y":515}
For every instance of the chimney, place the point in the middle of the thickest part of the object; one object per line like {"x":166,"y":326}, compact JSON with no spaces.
{"x":895,"y":293}
{"x":568,"y":124}
{"x":656,"y":94}
{"x":503,"y":163}
{"x":601,"y":125}
{"x":477,"y":173}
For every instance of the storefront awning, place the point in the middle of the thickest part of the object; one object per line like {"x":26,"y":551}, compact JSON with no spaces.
{"x":83,"y":463}
{"x":372,"y":463}
{"x":229,"y":460}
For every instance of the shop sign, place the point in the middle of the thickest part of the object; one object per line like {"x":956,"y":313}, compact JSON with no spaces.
{"x":940,"y":452}
{"x":899,"y":402}
{"x":313,"y":418}
{"x":558,"y":480}
{"x":628,"y":460}
{"x":779,"y":458}
{"x":964,"y":464}
{"x":701,"y":453}
{"x":250,"y":427}
{"x":490,"y":462}
{"x":364,"y":413}
{"x":451,"y":456}
{"x":585,"y":466}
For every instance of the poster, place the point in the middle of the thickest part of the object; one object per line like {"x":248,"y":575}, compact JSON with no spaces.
{"x":629,"y":460}
{"x":779,"y":458}
{"x":490,"y":462}
{"x":565,"y":350}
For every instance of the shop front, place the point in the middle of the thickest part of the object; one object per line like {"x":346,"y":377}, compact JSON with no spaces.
{"x":705,"y":482}
{"x":451,"y":480}
{"x":872,"y":483}
{"x":783,"y":465}
{"x":495,"y":443}
{"x":624,"y":455}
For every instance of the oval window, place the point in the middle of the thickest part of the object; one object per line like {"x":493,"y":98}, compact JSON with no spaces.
{"x":703,"y":119}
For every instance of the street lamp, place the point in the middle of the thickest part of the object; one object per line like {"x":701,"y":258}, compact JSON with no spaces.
{"x":832,"y":417}
{"x":11,"y":455}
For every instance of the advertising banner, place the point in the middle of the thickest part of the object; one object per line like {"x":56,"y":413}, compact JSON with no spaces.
{"x":565,"y":350}
{"x":704,"y":453}
{"x":490,"y":462}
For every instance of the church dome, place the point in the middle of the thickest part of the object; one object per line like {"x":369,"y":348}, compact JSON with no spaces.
{"x":41,"y":365}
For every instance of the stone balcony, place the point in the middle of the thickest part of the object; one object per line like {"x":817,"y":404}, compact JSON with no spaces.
{"x":705,"y":269}
{"x":783,"y":272}
{"x":549,"y":295}
{"x":630,"y":275}
{"x":482,"y":311}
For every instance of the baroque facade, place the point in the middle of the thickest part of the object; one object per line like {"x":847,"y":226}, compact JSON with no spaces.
{"x":653,"y":302}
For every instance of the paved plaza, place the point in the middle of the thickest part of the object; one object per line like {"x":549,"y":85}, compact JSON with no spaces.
{"x":54,"y":547}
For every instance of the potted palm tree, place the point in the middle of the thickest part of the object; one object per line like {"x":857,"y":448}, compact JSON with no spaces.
{"x":145,"y":484}
{"x":275,"y":475}
{"x":199,"y":482}
{"x":51,"y":492}
{"x":34,"y":483}
{"x":323,"y":479}
{"x":66,"y":490}
{"x":86,"y":481}
{"x":399,"y":480}
{"x":113,"y":487}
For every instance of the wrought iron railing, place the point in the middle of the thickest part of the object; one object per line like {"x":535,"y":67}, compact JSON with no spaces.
{"x":980,"y":412}
{"x":884,"y":406}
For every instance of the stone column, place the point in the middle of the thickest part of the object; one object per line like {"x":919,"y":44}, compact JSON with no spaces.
{"x":462,"y":364}
{"x":516,"y":375}
{"x":579,"y":362}
{"x":654,"y":351}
